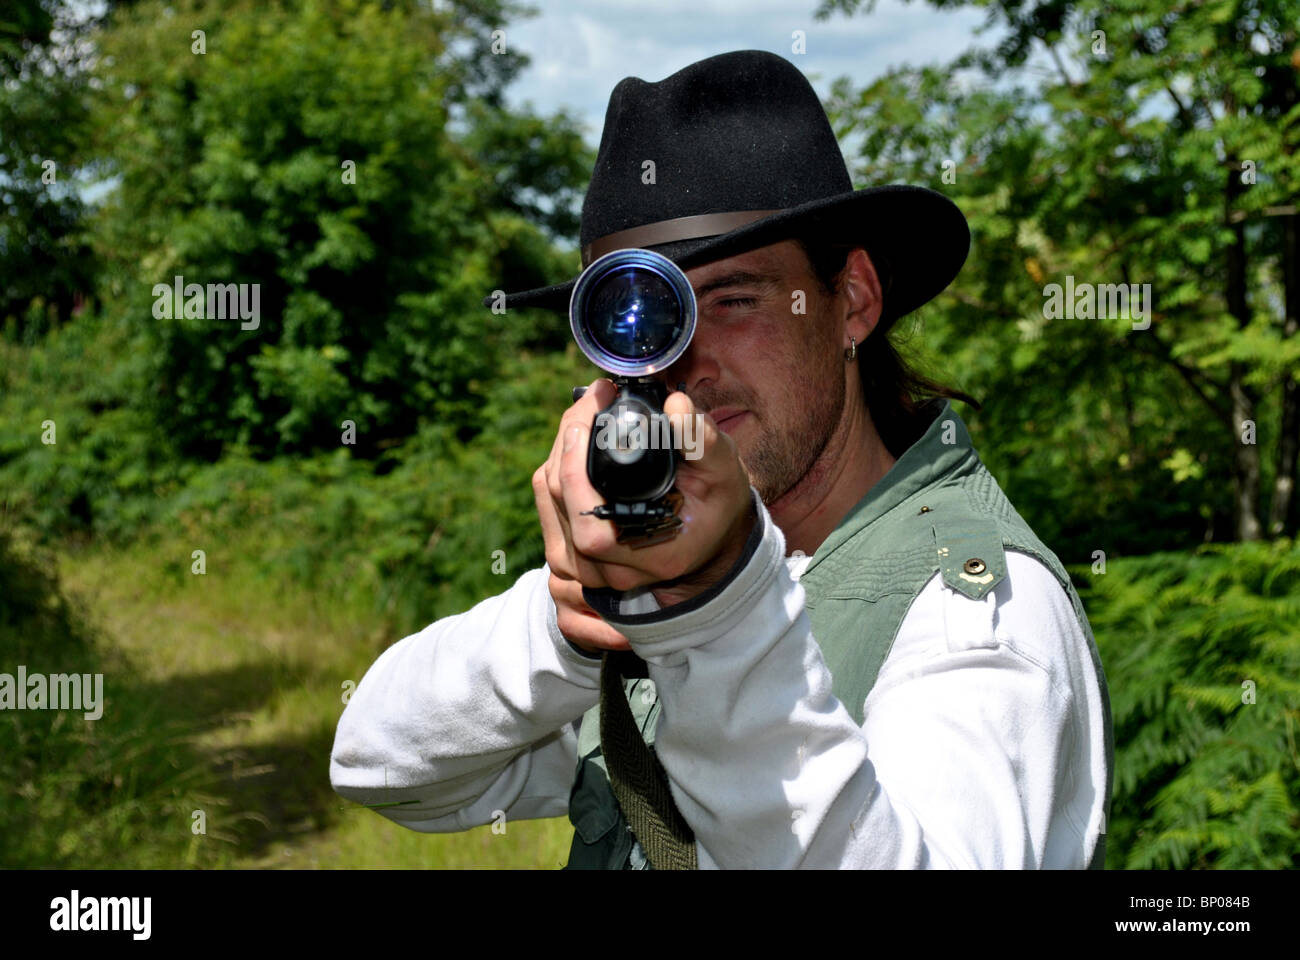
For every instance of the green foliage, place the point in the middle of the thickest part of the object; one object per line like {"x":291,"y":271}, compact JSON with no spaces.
{"x":539,"y":164}
{"x":1075,"y":422}
{"x":309,"y":151}
{"x":1201,"y":653}
{"x":108,"y":464}
{"x":106,"y":793}
{"x":1117,"y":165}
{"x":46,"y":266}
{"x":226,"y":701}
{"x":417,"y":537}
{"x":227,"y":166}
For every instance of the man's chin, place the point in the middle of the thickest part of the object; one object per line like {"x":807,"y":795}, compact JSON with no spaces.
{"x":771,"y":486}
{"x":775,"y":500}
{"x":769,"y":492}
{"x":777,"y":488}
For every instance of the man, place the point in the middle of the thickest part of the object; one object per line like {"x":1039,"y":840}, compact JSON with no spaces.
{"x":855,"y":653}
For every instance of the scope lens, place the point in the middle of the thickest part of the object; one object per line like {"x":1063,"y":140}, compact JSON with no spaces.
{"x":633,"y":313}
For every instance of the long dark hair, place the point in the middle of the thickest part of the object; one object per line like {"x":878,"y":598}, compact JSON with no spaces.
{"x":893,"y":387}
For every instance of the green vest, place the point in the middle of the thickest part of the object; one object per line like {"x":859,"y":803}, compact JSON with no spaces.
{"x":938,"y":508}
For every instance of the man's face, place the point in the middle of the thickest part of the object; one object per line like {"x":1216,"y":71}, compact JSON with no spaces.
{"x":773,"y":379}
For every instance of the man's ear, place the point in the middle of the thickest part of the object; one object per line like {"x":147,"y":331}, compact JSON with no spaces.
{"x":861,"y":284}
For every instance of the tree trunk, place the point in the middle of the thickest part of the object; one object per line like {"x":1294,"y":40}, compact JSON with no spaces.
{"x":1246,"y":459}
{"x":1289,"y":440}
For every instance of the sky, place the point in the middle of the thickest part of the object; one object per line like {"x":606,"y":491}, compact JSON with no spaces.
{"x":580,"y":49}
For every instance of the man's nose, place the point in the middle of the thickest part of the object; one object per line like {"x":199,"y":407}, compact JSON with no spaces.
{"x":696,"y":366}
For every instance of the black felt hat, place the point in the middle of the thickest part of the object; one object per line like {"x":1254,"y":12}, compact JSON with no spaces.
{"x":744,"y":156}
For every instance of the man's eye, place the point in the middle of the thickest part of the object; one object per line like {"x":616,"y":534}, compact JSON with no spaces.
{"x":738,"y":302}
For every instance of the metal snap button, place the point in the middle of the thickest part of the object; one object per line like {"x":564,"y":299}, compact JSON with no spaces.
{"x":925,"y":510}
{"x":974,"y":565}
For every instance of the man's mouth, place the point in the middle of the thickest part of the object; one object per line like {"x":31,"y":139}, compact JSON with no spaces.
{"x":728,"y":418}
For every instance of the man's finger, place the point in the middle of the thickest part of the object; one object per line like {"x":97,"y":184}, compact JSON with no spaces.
{"x":712,"y":452}
{"x":579,"y":622}
{"x":589,"y":632}
{"x":592,"y":537}
{"x":600,"y":394}
{"x":583,"y":410}
{"x":573,"y":561}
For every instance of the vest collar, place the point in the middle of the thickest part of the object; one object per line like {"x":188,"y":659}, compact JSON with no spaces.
{"x":928,"y":462}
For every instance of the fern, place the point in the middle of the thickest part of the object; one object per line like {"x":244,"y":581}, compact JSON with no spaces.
{"x":1202,"y":658}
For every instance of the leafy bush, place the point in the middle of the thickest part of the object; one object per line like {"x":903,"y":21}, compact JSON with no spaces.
{"x":310,"y":152}
{"x":419,"y":534}
{"x":109,"y":464}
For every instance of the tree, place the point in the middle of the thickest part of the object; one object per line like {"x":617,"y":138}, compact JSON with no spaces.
{"x":308,"y":149}
{"x":46,"y":266}
{"x":1166,"y":155}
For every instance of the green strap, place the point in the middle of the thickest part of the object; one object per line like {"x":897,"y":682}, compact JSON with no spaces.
{"x":635,"y":774}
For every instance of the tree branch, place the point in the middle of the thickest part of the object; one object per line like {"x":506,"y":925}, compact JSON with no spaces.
{"x":1189,"y":374}
{"x":1288,"y":211}
{"x":1060,"y":64}
{"x":1183,"y":112}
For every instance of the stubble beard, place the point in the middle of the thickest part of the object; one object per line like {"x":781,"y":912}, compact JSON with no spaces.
{"x":785,"y":454}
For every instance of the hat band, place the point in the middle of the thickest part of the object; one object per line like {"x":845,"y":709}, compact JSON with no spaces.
{"x":666,"y":231}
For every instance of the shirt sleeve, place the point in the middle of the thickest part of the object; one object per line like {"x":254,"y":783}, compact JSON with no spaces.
{"x":981,"y":745}
{"x":473,"y":717}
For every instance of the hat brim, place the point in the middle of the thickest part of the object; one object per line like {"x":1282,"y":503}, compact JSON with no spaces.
{"x":918,"y":239}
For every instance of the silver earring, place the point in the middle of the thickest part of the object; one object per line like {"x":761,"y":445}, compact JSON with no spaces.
{"x":852,"y":351}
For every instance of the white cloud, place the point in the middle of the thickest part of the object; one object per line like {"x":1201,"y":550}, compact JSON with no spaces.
{"x":581,"y":49}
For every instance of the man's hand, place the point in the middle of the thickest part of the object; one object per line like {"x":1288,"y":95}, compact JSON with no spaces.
{"x":717,"y":516}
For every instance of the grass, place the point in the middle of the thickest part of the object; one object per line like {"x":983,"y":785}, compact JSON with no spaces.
{"x":223,"y":691}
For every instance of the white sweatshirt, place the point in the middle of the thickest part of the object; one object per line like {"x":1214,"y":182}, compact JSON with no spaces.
{"x":983,"y":744}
